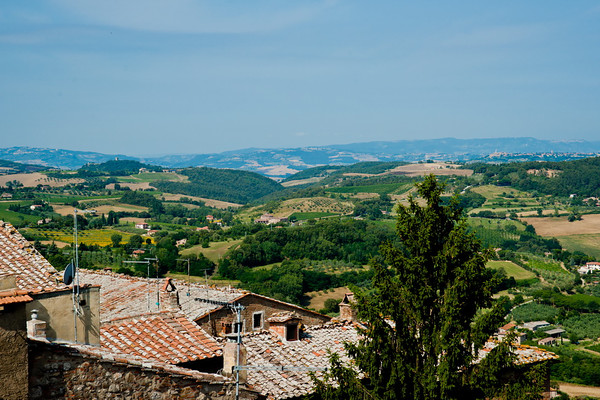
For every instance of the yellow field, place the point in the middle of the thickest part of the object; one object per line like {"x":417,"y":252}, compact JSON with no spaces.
{"x":100,"y":237}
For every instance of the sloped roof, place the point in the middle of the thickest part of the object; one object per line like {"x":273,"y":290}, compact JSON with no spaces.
{"x":164,"y":337}
{"x":525,"y":354}
{"x":268,"y":349}
{"x":311,"y":351}
{"x":14,"y":296}
{"x":18,"y":257}
{"x":126,"y":296}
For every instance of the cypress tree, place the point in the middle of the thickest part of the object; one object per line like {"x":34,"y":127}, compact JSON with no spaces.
{"x":423,"y":320}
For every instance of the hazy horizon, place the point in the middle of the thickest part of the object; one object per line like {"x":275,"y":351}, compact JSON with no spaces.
{"x":177,"y":77}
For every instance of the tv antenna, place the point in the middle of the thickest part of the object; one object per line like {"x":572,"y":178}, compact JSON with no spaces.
{"x":238,"y":308}
{"x":147,"y":262}
{"x":189,"y":278}
{"x":71,"y":275}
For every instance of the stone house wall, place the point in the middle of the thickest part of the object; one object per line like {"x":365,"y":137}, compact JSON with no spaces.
{"x":57,"y":372}
{"x":259,"y":306}
{"x":13,"y":352}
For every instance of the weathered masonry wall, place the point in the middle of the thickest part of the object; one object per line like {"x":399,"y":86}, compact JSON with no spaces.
{"x":13,"y":353}
{"x":60,"y":373}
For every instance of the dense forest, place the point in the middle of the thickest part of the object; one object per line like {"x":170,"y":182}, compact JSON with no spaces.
{"x":365,"y":167}
{"x":221,"y":184}
{"x":334,"y":239}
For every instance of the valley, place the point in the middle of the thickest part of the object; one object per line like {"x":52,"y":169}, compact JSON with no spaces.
{"x":331,"y":220}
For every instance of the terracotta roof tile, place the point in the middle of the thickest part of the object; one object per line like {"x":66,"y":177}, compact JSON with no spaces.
{"x":267,"y":349}
{"x":164,"y":337}
{"x":311,"y":351}
{"x":18,"y":257}
{"x":126,"y":296}
{"x":14,"y":296}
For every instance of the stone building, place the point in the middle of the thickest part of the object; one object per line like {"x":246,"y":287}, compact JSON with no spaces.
{"x":125,"y":296}
{"x":56,"y":342}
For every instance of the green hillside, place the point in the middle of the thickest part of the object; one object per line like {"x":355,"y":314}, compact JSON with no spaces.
{"x":221,"y":184}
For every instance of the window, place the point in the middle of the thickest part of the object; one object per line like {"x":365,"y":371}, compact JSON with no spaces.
{"x":291,"y":332}
{"x":229,"y":327}
{"x":257,"y":320}
{"x":226,"y":327}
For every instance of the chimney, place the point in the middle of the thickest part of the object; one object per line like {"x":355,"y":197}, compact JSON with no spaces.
{"x":169,"y":297}
{"x":35,"y":327}
{"x":230,"y":354}
{"x":347,"y":312}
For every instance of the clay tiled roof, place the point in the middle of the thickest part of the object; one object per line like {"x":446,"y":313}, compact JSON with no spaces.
{"x":14,"y":296}
{"x":267,"y":349}
{"x":19,"y":258}
{"x":163,"y":337}
{"x":311,"y":351}
{"x":126,"y":296}
{"x":525,"y":354}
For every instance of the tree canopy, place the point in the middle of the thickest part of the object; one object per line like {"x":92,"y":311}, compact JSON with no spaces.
{"x":423,"y":324}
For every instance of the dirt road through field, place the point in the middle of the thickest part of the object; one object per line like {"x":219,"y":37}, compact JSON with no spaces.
{"x":578,"y":390}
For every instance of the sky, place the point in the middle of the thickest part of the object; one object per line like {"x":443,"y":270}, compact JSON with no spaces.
{"x":155,"y":77}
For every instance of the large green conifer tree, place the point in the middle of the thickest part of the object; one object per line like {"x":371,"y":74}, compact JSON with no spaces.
{"x":424,"y":320}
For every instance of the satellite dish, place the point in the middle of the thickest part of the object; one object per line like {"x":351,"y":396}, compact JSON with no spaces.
{"x":69,"y":274}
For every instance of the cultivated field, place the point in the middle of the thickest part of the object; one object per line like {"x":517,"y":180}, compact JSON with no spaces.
{"x":560,"y":226}
{"x":314,"y":179}
{"x":214,"y":252}
{"x":36,"y":178}
{"x":439,"y":169}
{"x":209,"y":202}
{"x":511,"y":269}
{"x":317,"y":301}
{"x":586,"y":243}
{"x":103,"y":209}
{"x":315,"y":204}
{"x":101,"y":237}
{"x":131,"y":185}
{"x":490,"y":192}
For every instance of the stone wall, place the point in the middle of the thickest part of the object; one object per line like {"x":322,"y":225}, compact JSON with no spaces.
{"x":58,"y":372}
{"x":257,"y":304}
{"x":13,"y":352}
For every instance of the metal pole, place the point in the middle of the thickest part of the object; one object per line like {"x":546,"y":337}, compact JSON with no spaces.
{"x":76,"y":282}
{"x":239,"y":345}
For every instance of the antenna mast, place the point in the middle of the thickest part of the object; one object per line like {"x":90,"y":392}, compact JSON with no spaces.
{"x":76,"y":311}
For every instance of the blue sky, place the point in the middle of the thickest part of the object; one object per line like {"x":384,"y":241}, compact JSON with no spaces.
{"x":149,"y":77}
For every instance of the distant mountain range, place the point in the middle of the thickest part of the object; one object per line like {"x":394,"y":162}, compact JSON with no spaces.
{"x":279,"y":163}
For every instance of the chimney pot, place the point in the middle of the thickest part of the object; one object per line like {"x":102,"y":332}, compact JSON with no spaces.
{"x":35,"y":327}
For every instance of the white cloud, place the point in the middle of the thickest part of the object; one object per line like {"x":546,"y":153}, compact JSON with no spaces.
{"x":194,"y":16}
